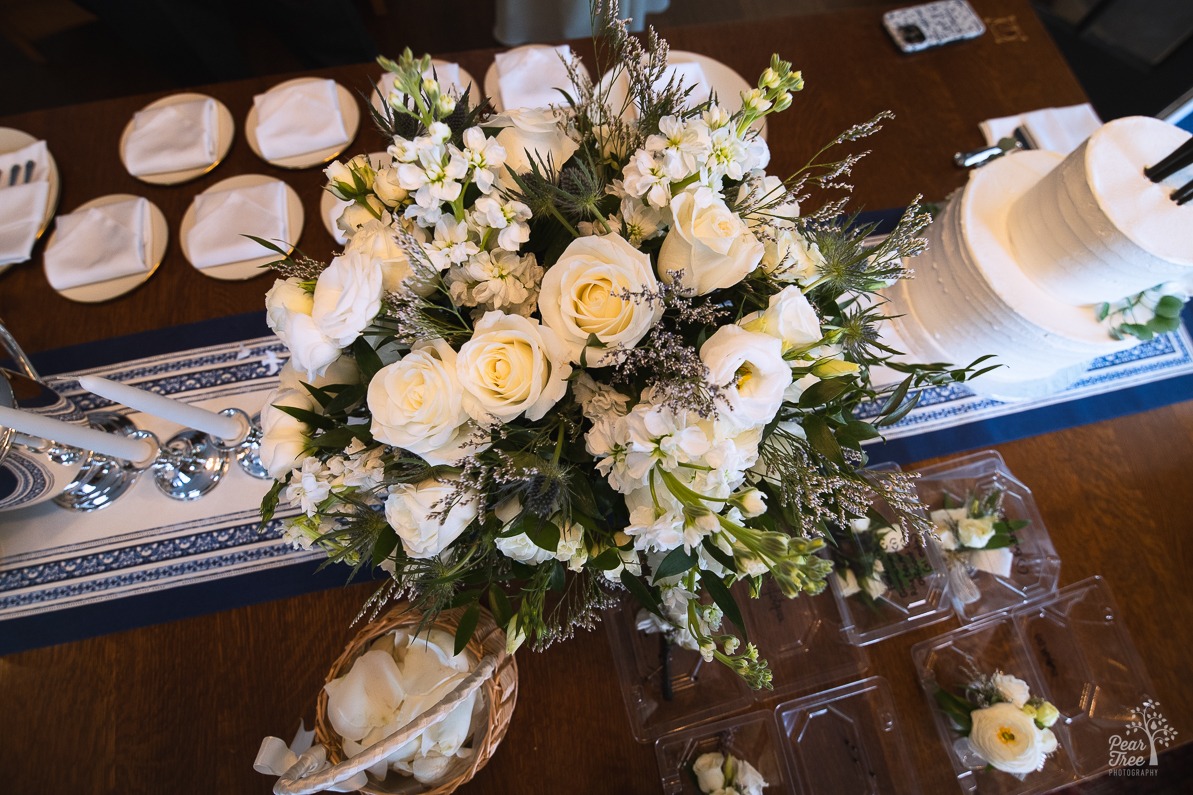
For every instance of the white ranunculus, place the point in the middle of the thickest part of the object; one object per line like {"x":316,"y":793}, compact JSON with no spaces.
{"x":584,"y":293}
{"x":522,"y":549}
{"x":347,"y":297}
{"x":708,"y":247}
{"x":416,"y":404}
{"x":751,"y":369}
{"x":531,"y":135}
{"x":408,"y":510}
{"x":1012,"y":688}
{"x":1007,"y":738}
{"x":512,"y":366}
{"x":707,"y":769}
{"x":379,"y":241}
{"x":789,"y":317}
{"x":975,"y":533}
{"x":284,"y":439}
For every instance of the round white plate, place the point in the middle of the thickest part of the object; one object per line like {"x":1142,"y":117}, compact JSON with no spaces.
{"x":225,"y":131}
{"x":493,"y":85}
{"x":10,"y":141}
{"x":725,"y":83}
{"x":157,"y":236}
{"x":247,"y":269}
{"x":329,"y":205}
{"x":349,"y":111}
{"x":385,"y":83}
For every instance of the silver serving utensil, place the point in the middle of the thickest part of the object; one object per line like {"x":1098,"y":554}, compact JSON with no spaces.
{"x":1018,"y":140}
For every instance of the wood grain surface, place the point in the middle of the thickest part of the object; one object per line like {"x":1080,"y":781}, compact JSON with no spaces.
{"x":181,"y":707}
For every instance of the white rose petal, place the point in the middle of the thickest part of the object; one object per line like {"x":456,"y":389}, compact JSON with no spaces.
{"x":531,"y":135}
{"x":284,"y":439}
{"x":1012,"y":688}
{"x":707,"y":769}
{"x":789,"y":317}
{"x":408,"y":510}
{"x":709,"y":247}
{"x":522,"y":549}
{"x":379,"y":241}
{"x":366,"y":697}
{"x":511,"y":367}
{"x":347,"y":297}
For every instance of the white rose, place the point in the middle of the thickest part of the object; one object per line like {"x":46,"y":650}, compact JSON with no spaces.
{"x":416,"y":404}
{"x":522,"y":549}
{"x":1007,"y":738}
{"x":385,"y":185}
{"x":708,"y":247}
{"x":288,"y":312}
{"x":976,"y":533}
{"x":408,"y":510}
{"x":286,"y":298}
{"x":356,"y":215}
{"x":284,"y":439}
{"x":511,"y":366}
{"x":789,"y":317}
{"x":751,"y":369}
{"x":1012,"y":688}
{"x":531,"y":135}
{"x":378,"y":241}
{"x":342,"y":371}
{"x":347,"y":297}
{"x":791,"y":257}
{"x":707,"y":769}
{"x":580,"y":297}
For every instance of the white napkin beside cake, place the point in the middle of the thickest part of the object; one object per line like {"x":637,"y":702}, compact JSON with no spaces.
{"x":172,"y":138}
{"x":98,"y":244}
{"x":1058,"y":130}
{"x":223,"y":218}
{"x":299,"y":119}
{"x":23,"y":204}
{"x":528,"y":77}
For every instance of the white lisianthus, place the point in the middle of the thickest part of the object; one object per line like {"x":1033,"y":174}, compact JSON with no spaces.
{"x":408,"y":510}
{"x":976,"y":532}
{"x":709,"y":247}
{"x":788,"y":317}
{"x":531,"y":135}
{"x":1011,"y":688}
{"x":750,"y":368}
{"x":416,"y":404}
{"x":588,"y":292}
{"x":284,"y":439}
{"x":511,"y":367}
{"x":1007,"y":738}
{"x":288,"y":312}
{"x":707,"y":769}
{"x":379,"y":242}
{"x":347,"y":297}
{"x":520,"y":548}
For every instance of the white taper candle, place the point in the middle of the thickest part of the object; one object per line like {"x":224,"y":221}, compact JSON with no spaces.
{"x":134,"y":450}
{"x":218,"y":425}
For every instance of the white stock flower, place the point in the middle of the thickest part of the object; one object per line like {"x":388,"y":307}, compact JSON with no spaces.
{"x":789,"y":317}
{"x":416,"y":404}
{"x":600,"y":286}
{"x":975,"y":533}
{"x":1007,"y":738}
{"x":1011,"y":688}
{"x":451,"y":244}
{"x":347,"y":297}
{"x":309,"y":485}
{"x":288,"y":312}
{"x":680,"y":144}
{"x":496,"y":280}
{"x":485,"y":156}
{"x":598,"y":399}
{"x":531,"y":135}
{"x":284,"y":439}
{"x":435,"y":177}
{"x":408,"y":510}
{"x":511,"y":367}
{"x":638,"y":221}
{"x":507,"y":216}
{"x":708,"y":247}
{"x":750,"y":368}
{"x":657,"y":435}
{"x":645,"y":177}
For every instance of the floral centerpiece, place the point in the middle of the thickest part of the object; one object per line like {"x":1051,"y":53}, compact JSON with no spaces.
{"x":575,"y":352}
{"x":1001,"y":723}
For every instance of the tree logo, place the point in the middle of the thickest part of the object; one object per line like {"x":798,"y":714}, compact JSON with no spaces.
{"x":1131,"y":749}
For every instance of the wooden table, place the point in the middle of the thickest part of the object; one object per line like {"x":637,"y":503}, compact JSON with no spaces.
{"x":181,"y":707}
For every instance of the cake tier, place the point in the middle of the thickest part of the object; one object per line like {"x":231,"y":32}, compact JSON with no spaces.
{"x":970,"y":298}
{"x":1095,"y":228}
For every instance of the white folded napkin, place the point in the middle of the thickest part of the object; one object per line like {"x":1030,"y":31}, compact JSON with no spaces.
{"x":223,"y":218}
{"x":98,"y":244}
{"x":172,"y":138}
{"x":690,"y":75}
{"x":1058,"y":130}
{"x":298,"y":119}
{"x":529,"y":76}
{"x":22,"y":208}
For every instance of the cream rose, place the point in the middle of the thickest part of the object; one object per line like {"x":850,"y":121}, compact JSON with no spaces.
{"x":347,"y":297}
{"x":583,"y":294}
{"x":378,"y":241}
{"x":408,"y":510}
{"x":288,"y":310}
{"x":750,"y":368}
{"x":707,"y":769}
{"x":1007,"y":738}
{"x":385,"y":185}
{"x":416,"y":404}
{"x":709,"y":247}
{"x":520,"y":548}
{"x":356,"y":215}
{"x":975,"y":533}
{"x":789,"y":317}
{"x":342,"y":371}
{"x":531,"y":135}
{"x":284,"y":439}
{"x":511,"y":366}
{"x":1012,"y":688}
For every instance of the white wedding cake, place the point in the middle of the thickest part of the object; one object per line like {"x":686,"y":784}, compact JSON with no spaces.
{"x":1019,"y":259}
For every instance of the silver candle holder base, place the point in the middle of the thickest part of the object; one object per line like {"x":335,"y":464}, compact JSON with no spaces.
{"x":101,"y":480}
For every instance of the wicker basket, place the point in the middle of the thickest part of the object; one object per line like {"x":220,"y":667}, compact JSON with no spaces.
{"x":498,"y":676}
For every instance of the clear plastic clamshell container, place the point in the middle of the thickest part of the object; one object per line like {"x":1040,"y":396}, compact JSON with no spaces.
{"x":886,"y":584}
{"x":987,"y":581}
{"x":801,"y":639}
{"x":1073,"y":650}
{"x":845,"y":740}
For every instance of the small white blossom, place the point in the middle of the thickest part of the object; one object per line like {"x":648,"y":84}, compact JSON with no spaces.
{"x":451,"y":244}
{"x":645,"y":177}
